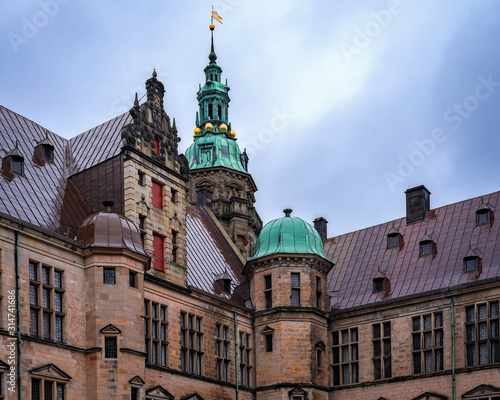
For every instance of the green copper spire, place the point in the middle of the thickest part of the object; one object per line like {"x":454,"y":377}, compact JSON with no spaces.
{"x":214,"y":141}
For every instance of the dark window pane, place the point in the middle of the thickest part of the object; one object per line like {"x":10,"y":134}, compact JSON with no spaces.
{"x":33,"y":322}
{"x":427,"y":340}
{"x":377,"y":349}
{"x":336,"y":375}
{"x":345,"y":354}
{"x":376,"y":331}
{"x":471,"y":355}
{"x":427,"y":321}
{"x":481,"y":311}
{"x":416,"y":324}
{"x":387,"y":367}
{"x":59,"y":328}
{"x":336,"y":355}
{"x":470,"y":264}
{"x":60,"y":391}
{"x":471,"y":333}
{"x":469,"y":311}
{"x":58,"y":279}
{"x":438,"y":320}
{"x":345,"y":374}
{"x":495,"y":332}
{"x":377,"y":369}
{"x":355,"y":373}
{"x":58,"y":301}
{"x":47,"y":390}
{"x":295,"y":297}
{"x":483,"y":353}
{"x":416,"y":341}
{"x":268,"y":282}
{"x":110,"y":347}
{"x":335,"y":338}
{"x":46,"y":326}
{"x":109,"y":276}
{"x":345,"y":337}
{"x":428,"y":361}
{"x":483,"y":331}
{"x":35,"y":389}
{"x":269,"y":299}
{"x":354,"y":352}
{"x":494,"y":310}
{"x":295,"y":280}
{"x":45,"y":276}
{"x":33,"y":270}
{"x":354,"y":335}
{"x":417,"y":363}
{"x":439,"y":360}
{"x":387,"y":347}
{"x":33,"y":295}
{"x":495,"y":351}
{"x":438,"y":337}
{"x":387,"y":329}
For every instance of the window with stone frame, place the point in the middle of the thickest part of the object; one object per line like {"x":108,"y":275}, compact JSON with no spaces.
{"x":45,"y":389}
{"x":110,"y":347}
{"x":482,"y":333}
{"x":191,"y":343}
{"x":109,"y":276}
{"x":268,"y":291}
{"x":155,"y":333}
{"x":222,"y":349}
{"x":48,"y":383}
{"x":245,"y":364}
{"x":46,"y":302}
{"x":382,"y":351}
{"x":427,"y":343}
{"x":345,"y":364}
{"x":175,"y":246}
{"x":319,"y":293}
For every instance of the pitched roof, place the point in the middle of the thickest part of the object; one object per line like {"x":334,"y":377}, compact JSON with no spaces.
{"x":44,"y":196}
{"x":361,"y":256}
{"x":209,"y":255}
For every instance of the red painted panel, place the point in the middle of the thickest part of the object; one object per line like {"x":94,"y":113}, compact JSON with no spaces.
{"x":158,"y":252}
{"x":157,"y":146}
{"x":157,"y":195}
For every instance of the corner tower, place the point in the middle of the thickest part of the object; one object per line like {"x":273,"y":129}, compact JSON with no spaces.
{"x":287,"y":275}
{"x":218,"y":168}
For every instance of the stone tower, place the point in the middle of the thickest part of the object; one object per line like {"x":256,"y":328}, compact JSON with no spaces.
{"x":218,"y":169}
{"x":287,"y":276}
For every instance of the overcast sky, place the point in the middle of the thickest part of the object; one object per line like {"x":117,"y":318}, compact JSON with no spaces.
{"x":341,"y":105}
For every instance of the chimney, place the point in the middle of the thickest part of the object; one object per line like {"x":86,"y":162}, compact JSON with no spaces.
{"x":204,"y":197}
{"x":320,"y":225}
{"x":417,"y":204}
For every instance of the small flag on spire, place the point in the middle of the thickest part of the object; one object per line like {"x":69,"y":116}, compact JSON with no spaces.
{"x":216,"y":16}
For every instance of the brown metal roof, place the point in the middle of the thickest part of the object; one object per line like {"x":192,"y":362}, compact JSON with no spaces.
{"x":43,"y":196}
{"x":209,"y":255}
{"x":363,"y":255}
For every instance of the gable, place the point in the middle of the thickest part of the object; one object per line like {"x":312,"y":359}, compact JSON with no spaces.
{"x":50,"y":371}
{"x":430,"y":396}
{"x":110,"y":330}
{"x":159,"y":393}
{"x":482,"y":390}
{"x":193,"y":396}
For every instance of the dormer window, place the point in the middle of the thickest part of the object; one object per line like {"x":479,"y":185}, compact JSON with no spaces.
{"x":393,"y":240}
{"x":378,"y":285}
{"x":427,"y":247}
{"x":483,"y":216}
{"x":471,"y":263}
{"x":17,"y":165}
{"x":48,"y":153}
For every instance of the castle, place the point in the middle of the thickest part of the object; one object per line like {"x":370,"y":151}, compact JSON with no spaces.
{"x":130,"y":271}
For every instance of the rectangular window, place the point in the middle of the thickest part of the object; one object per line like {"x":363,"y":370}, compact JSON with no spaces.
{"x":134,"y":393}
{"x":46,"y":302}
{"x":382,"y":350}
{"x":191,"y":343}
{"x":345,"y":356}
{"x":157,"y":195}
{"x":132,"y":279}
{"x":109,"y":276}
{"x":428,"y":342}
{"x":392,"y":240}
{"x":244,"y":360}
{"x":318,"y":292}
{"x":140,"y":178}
{"x":269,"y":342}
{"x":35,"y":389}
{"x":222,"y":349}
{"x":482,"y":332}
{"x":175,"y":247}
{"x":155,"y":331}
{"x":268,"y":292}
{"x":174,"y":196}
{"x":110,"y":347}
{"x":295,"y":283}
{"x":17,"y":166}
{"x":158,"y":256}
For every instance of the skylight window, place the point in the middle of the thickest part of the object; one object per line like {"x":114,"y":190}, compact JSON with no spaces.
{"x":393,"y":240}
{"x":17,"y":165}
{"x":483,"y":216}
{"x":427,"y":247}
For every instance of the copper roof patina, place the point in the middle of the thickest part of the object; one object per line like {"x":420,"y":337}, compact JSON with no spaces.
{"x":361,"y":256}
{"x":215,"y":150}
{"x":288,"y":235}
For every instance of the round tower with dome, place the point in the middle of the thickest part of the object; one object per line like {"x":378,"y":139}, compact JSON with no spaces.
{"x":287,"y":274}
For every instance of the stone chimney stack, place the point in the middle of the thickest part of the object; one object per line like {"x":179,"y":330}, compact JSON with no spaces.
{"x":320,"y":224}
{"x":417,"y":204}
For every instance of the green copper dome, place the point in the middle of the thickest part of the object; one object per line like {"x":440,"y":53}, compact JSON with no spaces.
{"x":216,"y":150}
{"x":288,"y":235}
